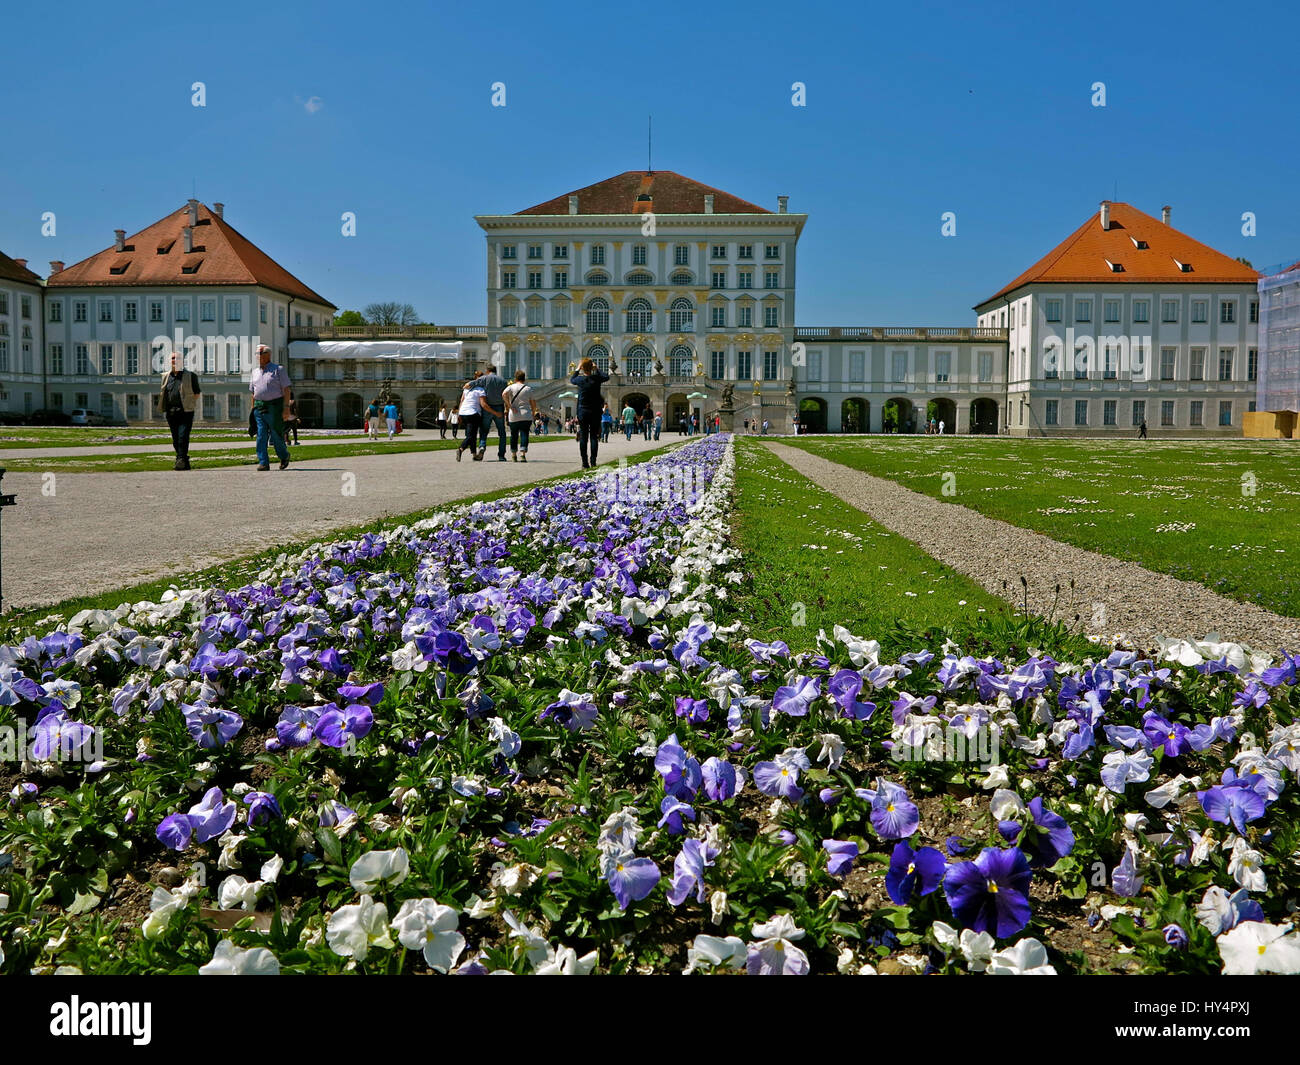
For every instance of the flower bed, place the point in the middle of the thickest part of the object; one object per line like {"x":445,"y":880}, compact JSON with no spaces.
{"x":533,"y":735}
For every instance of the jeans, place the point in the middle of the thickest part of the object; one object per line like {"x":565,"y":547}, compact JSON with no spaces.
{"x":488,"y":420}
{"x":180,"y":422}
{"x":627,"y":428}
{"x":470,"y":422}
{"x":291,"y":428}
{"x":266,"y":417}
{"x":588,"y":438}
{"x":604,"y":431}
{"x":519,"y":435}
{"x":658,"y":427}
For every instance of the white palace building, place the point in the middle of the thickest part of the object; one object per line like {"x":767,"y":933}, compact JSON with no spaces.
{"x":686,"y":295}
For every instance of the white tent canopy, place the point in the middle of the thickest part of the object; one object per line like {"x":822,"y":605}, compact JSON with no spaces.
{"x":405,"y":351}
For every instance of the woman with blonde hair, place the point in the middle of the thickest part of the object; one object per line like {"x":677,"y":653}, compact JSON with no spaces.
{"x":588,"y":380}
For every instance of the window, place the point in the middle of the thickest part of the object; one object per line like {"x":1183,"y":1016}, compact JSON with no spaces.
{"x":534,"y":364}
{"x":83,"y":400}
{"x":106,"y":408}
{"x":1049,"y":416}
{"x":78,"y":310}
{"x":1168,"y":361}
{"x":744,"y":365}
{"x":1254,"y":311}
{"x":744,"y":251}
{"x":234,"y":311}
{"x":1081,"y":363}
{"x":105,"y":311}
{"x":1225,"y":412}
{"x":232,"y":356}
{"x":1053,"y":310}
{"x":1141,"y":310}
{"x":1052,"y":360}
{"x":814,"y":366}
{"x":772,"y":317}
{"x":1169,"y":310}
{"x":681,"y":255}
{"x":1199,"y":310}
{"x":133,"y":406}
{"x":511,"y":364}
{"x":681,"y":316}
{"x":1227,"y":312}
{"x":597,"y":277}
{"x":509,"y":251}
{"x":4,"y":356}
{"x":899,"y":366}
{"x":105,"y":359}
{"x":533,"y":312}
{"x":682,"y":277}
{"x":598,"y":316}
{"x":598,"y":255}
{"x":641,"y":277}
{"x":509,"y":314}
{"x":1083,"y":310}
{"x":209,"y":406}
{"x":1167,"y":412}
{"x":1112,"y":310}
{"x":1110,"y":363}
{"x":640,"y":317}
{"x":534,"y":251}
{"x":261,"y":313}
{"x":1139,"y":411}
{"x":942,"y":366}
{"x":281,"y":317}
{"x":81,"y":354}
{"x":1225,"y":363}
{"x":717,"y":364}
{"x":207,"y":310}
{"x":56,"y":359}
{"x":771,"y":365}
{"x":985,"y":359}
{"x":1080,"y":412}
{"x":1252,"y":364}
{"x":4,"y":303}
{"x":744,"y":279}
{"x":183,"y":311}
{"x":719,"y":251}
{"x":719,"y":279}
{"x":559,"y":251}
{"x":1195,"y":413}
{"x":771,"y":278}
{"x":1108,"y":412}
{"x":858,"y":365}
{"x":509,"y":279}
{"x":130,"y":311}
{"x":56,"y":312}
{"x":1197,"y":372}
{"x":132,"y":359}
{"x":559,"y":279}
{"x":560,"y":312}
{"x":534,"y":279}
{"x":638,"y":255}
{"x":718,"y":316}
{"x":771,"y":251}
{"x":237,"y":407}
{"x":560,"y":364}
{"x":209,"y":357}
{"x":744,"y":315}
{"x":1024,"y":313}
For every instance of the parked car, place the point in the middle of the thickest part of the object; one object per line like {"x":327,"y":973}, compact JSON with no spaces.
{"x":81,"y":416}
{"x":49,"y":416}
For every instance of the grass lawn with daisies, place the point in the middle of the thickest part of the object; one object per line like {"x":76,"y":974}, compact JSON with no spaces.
{"x":1218,"y":512}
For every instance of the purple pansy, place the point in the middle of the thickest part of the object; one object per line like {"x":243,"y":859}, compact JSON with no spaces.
{"x":991,"y":893}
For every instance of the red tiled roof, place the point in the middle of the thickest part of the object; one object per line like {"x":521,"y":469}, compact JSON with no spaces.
{"x":668,"y":193}
{"x":156,"y":256}
{"x":1082,"y":257}
{"x":11,"y":271}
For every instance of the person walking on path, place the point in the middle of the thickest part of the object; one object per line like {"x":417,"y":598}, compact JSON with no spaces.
{"x":271,"y":388}
{"x":390,"y":416}
{"x":647,"y":420}
{"x":588,"y":380}
{"x":629,"y":420}
{"x":521,"y":409}
{"x":659,"y":423}
{"x":766,"y":423}
{"x":177,"y":397}
{"x":469,"y":414}
{"x":291,"y":421}
{"x":606,"y":424}
{"x":1142,"y":430}
{"x":493,"y":384}
{"x":941,"y":428}
{"x":372,"y":419}
{"x":453,"y":422}
{"x":442,"y":422}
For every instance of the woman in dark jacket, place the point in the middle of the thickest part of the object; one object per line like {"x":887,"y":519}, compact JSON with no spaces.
{"x":588,"y":380}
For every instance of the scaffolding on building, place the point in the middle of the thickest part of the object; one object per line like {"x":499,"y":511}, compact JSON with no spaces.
{"x":1279,"y":338}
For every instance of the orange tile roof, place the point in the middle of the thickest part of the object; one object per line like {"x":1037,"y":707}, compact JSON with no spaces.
{"x":668,"y":193}
{"x":1082,"y":257}
{"x":156,"y":256}
{"x":11,"y":271}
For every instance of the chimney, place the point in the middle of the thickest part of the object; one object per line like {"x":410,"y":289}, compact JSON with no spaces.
{"x":218,"y":209}
{"x":188,"y":233}
{"x":22,"y":263}
{"x":56,"y":266}
{"x":782,"y":204}
{"x":1164,"y":214}
{"x":1105,"y":214}
{"x":708,"y":203}
{"x":119,"y":243}
{"x":573,"y":204}
{"x":194,"y":212}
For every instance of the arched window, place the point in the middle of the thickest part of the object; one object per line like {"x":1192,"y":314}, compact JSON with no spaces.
{"x":681,"y":361}
{"x":640,"y":277}
{"x":681,"y":316}
{"x":601,"y":354}
{"x":640,"y":316}
{"x":597,"y":277}
{"x":637,"y":360}
{"x":598,"y":316}
{"x":682,"y":277}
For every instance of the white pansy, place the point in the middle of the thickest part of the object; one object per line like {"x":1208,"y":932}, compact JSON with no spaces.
{"x":426,"y":925}
{"x":229,"y":858}
{"x":353,"y":930}
{"x":379,"y":868}
{"x":271,"y":868}
{"x":564,"y":961}
{"x":1258,"y":947}
{"x":832,"y":750}
{"x":717,"y":907}
{"x":1026,"y":958}
{"x":944,"y":935}
{"x":229,"y":960}
{"x":977,"y":949}
{"x":1245,"y":866}
{"x":1006,"y":805}
{"x":997,"y":777}
{"x":235,"y":891}
{"x":1170,"y":791}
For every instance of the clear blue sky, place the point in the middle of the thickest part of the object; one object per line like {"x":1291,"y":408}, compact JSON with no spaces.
{"x":912,"y":110}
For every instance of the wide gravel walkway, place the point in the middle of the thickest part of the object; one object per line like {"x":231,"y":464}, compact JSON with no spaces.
{"x":101,"y":531}
{"x":1110,"y":595}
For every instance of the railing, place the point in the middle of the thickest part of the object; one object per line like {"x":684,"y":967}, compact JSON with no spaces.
{"x":907,"y":332}
{"x":385,"y":332}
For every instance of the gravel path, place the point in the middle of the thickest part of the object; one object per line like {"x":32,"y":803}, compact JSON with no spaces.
{"x":1110,"y":595}
{"x":197,"y":443}
{"x":101,"y":531}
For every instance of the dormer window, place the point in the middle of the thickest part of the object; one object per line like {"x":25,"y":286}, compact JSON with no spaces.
{"x":1115,"y":268}
{"x":1141,"y":245}
{"x":1184,"y":267}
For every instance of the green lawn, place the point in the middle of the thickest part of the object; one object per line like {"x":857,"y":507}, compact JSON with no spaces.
{"x":813,"y":562}
{"x":1219,"y":512}
{"x":25,"y":436}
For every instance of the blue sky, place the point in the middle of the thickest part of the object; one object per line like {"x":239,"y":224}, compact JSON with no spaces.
{"x":912,"y":110}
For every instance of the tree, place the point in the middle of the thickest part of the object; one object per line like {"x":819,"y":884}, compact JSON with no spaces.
{"x":1245,"y":262}
{"x":391,"y":313}
{"x":349,"y":318}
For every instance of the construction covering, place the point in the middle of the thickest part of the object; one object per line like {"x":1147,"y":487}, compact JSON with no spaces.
{"x":1279,"y":339}
{"x":402,"y":350}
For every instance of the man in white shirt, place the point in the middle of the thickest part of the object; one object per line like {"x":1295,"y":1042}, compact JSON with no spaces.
{"x":271,"y":389}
